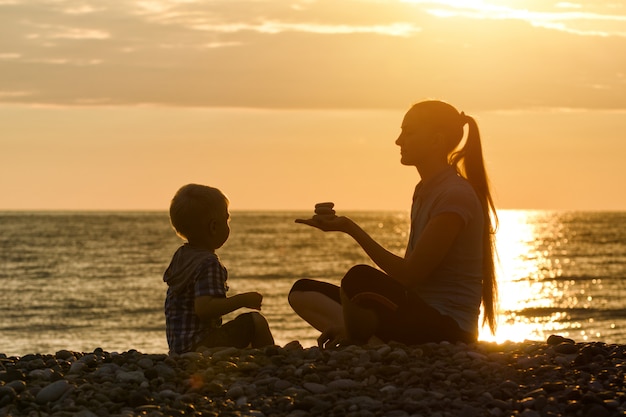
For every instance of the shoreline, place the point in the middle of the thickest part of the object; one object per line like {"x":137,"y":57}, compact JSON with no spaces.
{"x":529,"y":379}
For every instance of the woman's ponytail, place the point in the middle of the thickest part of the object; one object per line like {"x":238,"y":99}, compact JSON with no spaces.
{"x":469,"y":163}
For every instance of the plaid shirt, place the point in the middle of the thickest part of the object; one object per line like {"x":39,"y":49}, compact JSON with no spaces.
{"x":192,"y":273}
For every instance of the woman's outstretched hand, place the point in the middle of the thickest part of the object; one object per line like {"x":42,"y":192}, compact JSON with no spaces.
{"x":327,"y":223}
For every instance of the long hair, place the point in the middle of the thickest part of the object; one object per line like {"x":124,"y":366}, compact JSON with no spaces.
{"x":469,"y":163}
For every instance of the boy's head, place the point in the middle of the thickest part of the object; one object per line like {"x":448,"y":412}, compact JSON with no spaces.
{"x":199,"y":211}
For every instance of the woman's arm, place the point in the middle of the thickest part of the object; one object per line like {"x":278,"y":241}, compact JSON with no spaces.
{"x":430,"y":249}
{"x":386,"y":260}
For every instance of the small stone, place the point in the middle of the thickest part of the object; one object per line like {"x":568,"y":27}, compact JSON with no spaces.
{"x":477,"y":356}
{"x":529,"y":413}
{"x":224,"y":353}
{"x":597,"y":410}
{"x":42,"y":374}
{"x":415,"y":393}
{"x":536,"y":393}
{"x":65,"y":355}
{"x":282,"y":385}
{"x":566,"y":348}
{"x":136,"y":377}
{"x":235,"y":392}
{"x":77,"y":367}
{"x":509,"y":385}
{"x":367,"y":403}
{"x":145,"y":363}
{"x":18,"y":385}
{"x":85,"y":413}
{"x":389,"y":389}
{"x":7,"y":392}
{"x":343,"y":384}
{"x":314,"y":387}
{"x":53,"y":391}
{"x":556,"y":340}
{"x":470,"y":374}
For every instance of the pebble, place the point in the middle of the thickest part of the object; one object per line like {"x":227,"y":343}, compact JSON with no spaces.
{"x":532,"y":378}
{"x":52,"y":392}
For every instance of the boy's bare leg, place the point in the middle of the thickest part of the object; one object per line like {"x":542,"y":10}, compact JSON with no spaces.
{"x":262,"y":333}
{"x":316,"y":309}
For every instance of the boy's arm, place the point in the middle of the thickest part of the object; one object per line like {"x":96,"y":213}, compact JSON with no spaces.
{"x":208,"y":307}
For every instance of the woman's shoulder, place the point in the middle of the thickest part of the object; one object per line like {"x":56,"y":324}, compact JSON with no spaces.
{"x":456,"y":194}
{"x":453,"y":184}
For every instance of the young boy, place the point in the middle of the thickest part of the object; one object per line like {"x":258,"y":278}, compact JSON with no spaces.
{"x":196,"y":296}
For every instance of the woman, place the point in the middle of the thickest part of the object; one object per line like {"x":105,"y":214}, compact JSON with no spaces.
{"x":434,"y":292}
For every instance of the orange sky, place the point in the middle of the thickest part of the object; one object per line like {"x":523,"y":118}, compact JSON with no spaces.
{"x":286,"y":103}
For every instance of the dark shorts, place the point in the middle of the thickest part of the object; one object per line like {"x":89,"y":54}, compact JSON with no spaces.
{"x":403,"y":316}
{"x":239,"y":333}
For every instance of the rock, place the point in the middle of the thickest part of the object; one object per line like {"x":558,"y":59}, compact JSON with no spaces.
{"x":145,"y":363}
{"x":314,"y":387}
{"x":136,"y":377}
{"x":566,"y":348}
{"x":597,"y":410}
{"x":557,"y":340}
{"x":85,"y":413}
{"x":18,"y":385}
{"x":7,"y":395}
{"x":65,"y":355}
{"x":343,"y":384}
{"x":436,"y":379}
{"x":77,"y":367}
{"x":53,"y":391}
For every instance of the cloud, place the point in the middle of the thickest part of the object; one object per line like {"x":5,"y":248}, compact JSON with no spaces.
{"x":315,"y":54}
{"x":275,"y":27}
{"x":82,"y":9}
{"x":13,"y":94}
{"x":9,"y":55}
{"x":45,"y":31}
{"x":573,"y":22}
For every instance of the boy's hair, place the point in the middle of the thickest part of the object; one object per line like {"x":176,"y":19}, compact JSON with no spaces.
{"x":193,"y":205}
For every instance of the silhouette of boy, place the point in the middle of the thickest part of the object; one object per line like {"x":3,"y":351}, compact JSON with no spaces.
{"x":196,"y":296}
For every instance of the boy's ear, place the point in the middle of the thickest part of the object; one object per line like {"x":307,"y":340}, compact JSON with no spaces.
{"x":211,"y":226}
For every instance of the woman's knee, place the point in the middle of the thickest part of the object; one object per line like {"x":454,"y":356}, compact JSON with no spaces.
{"x":354,"y":278}
{"x":303,"y":284}
{"x":304,"y":288}
{"x":294,"y":298}
{"x":297,"y":291}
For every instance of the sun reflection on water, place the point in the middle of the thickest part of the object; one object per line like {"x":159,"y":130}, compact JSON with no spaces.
{"x":524,"y":270}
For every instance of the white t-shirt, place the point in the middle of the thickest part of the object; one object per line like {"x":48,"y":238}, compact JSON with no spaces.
{"x":455,"y":286}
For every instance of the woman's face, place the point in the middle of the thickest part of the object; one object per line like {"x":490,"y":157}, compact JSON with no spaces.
{"x":415,"y":140}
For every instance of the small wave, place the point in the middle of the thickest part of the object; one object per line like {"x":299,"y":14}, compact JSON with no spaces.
{"x":573,"y":314}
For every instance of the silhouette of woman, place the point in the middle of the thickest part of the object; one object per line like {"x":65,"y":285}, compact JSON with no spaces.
{"x":434,"y":292}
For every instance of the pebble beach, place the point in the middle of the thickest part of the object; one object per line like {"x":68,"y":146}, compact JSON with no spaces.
{"x":558,"y":377}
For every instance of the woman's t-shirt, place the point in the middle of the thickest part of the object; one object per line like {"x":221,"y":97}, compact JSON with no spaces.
{"x":455,"y":286}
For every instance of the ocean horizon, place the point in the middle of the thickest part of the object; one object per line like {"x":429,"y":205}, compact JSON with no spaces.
{"x":80,"y":280}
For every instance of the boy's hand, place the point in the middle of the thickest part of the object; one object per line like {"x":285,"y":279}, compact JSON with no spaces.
{"x":251,"y":300}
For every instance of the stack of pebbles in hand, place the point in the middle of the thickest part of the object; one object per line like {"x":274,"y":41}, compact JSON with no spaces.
{"x":324,"y":211}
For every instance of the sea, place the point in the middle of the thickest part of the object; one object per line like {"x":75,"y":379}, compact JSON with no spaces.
{"x":86,"y":280}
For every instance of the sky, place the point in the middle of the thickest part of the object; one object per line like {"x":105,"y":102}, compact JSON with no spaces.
{"x":284,"y":103}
